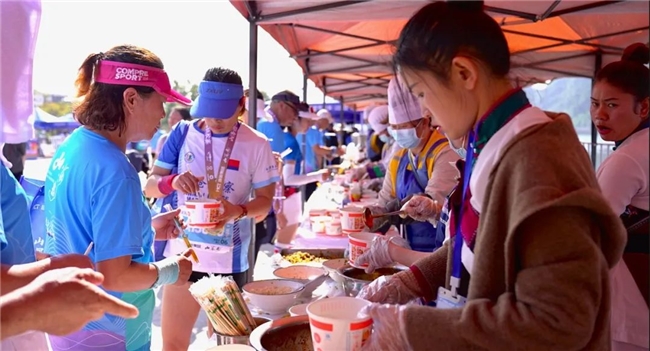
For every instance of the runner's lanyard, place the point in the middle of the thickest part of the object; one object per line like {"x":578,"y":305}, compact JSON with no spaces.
{"x":215,"y":182}
{"x":458,"y":242}
{"x":504,"y":111}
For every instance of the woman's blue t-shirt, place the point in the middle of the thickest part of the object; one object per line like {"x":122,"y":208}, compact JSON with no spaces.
{"x":93,"y":194}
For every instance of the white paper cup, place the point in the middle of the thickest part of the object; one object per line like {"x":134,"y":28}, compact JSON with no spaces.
{"x":337,"y":325}
{"x":335,"y":214}
{"x":318,"y":224}
{"x":359,"y":244}
{"x":298,"y":310}
{"x":352,"y":219}
{"x":317,"y":213}
{"x":333,"y":228}
{"x":201,"y":213}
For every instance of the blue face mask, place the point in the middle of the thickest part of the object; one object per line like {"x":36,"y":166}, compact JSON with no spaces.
{"x":405,"y":138}
{"x":384,"y":138}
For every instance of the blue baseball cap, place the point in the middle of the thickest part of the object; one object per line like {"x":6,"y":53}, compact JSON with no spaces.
{"x":289,"y":98}
{"x":217,"y":100}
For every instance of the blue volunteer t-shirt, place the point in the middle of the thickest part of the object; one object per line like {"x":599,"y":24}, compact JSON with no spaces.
{"x":290,"y":141}
{"x":314,"y":137}
{"x":16,"y":243}
{"x":273,"y":131}
{"x":93,"y":194}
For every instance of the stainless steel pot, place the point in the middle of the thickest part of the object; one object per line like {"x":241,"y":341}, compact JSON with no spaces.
{"x":284,"y":334}
{"x":352,"y":284}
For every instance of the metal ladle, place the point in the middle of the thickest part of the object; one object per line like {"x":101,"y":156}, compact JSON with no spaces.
{"x":368,"y":217}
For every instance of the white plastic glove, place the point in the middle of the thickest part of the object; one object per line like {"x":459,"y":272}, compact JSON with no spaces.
{"x":359,"y":172}
{"x":378,"y":256}
{"x":422,"y":208}
{"x":387,"y":334}
{"x":396,"y":289}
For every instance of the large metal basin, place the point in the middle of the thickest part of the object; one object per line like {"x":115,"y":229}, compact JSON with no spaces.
{"x":354,"y":279}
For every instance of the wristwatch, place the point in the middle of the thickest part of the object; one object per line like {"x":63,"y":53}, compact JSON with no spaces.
{"x":244,"y":213}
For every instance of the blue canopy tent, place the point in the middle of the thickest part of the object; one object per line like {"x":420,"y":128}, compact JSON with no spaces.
{"x":349,"y":115}
{"x":46,"y":121}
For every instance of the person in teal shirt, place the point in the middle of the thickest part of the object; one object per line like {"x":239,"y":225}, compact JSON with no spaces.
{"x":93,"y":194}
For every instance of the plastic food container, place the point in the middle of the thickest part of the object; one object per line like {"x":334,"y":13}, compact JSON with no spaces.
{"x":352,"y":219}
{"x":359,"y":244}
{"x":337,"y":324}
{"x":333,"y":228}
{"x":201,"y":213}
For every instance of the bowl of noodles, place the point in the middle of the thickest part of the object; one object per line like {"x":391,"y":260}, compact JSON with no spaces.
{"x":273,"y":296}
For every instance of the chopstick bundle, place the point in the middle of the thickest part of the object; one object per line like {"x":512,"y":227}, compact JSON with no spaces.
{"x":222,"y":301}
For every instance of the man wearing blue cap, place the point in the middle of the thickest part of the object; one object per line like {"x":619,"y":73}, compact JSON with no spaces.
{"x":283,"y":111}
{"x":216,"y":157}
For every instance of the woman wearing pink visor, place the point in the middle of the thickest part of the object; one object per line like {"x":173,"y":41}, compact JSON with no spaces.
{"x":94,"y":197}
{"x":215,"y":157}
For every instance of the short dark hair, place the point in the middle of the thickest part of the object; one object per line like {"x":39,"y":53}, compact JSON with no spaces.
{"x":184,"y":112}
{"x":101,"y":108}
{"x":629,"y":74}
{"x":222,"y":75}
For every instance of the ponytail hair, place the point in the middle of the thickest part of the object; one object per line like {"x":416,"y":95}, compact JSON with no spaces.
{"x":85,"y":74}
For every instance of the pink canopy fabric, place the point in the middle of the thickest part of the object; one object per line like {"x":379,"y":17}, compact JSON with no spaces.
{"x":345,"y":46}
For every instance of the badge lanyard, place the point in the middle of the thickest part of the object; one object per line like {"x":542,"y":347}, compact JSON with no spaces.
{"x":215,"y":182}
{"x":456,"y":269}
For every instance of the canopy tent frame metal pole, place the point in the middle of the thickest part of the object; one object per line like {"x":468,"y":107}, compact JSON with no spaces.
{"x":594,"y":133}
{"x":329,"y":71}
{"x":563,"y":42}
{"x":342,"y":116}
{"x":549,"y":13}
{"x":306,"y":10}
{"x":252,"y":113}
{"x":321,"y":53}
{"x":382,"y":85}
{"x":303,"y":144}
{"x":256,"y":18}
{"x":363,"y":81}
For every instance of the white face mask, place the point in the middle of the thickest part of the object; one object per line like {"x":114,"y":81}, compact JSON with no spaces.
{"x":461,"y":151}
{"x":384,"y":138}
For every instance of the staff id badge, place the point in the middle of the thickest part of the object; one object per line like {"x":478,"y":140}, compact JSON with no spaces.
{"x":446,"y":299}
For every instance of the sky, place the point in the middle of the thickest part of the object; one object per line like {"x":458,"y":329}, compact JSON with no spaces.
{"x":189,"y":37}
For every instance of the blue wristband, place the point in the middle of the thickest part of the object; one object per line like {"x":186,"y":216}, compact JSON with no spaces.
{"x":167,"y":272}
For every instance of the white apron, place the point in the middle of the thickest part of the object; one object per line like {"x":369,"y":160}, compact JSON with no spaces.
{"x":629,"y":312}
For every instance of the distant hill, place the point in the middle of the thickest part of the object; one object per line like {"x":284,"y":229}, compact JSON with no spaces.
{"x":568,"y":95}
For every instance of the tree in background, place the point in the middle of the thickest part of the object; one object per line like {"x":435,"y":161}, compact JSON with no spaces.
{"x":188,"y":90}
{"x":58,"y":109}
{"x":192,"y":92}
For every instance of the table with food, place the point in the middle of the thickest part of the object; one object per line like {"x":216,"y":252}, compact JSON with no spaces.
{"x":305,"y":294}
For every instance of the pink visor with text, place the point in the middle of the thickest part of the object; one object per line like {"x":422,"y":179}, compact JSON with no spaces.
{"x":122,"y":73}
